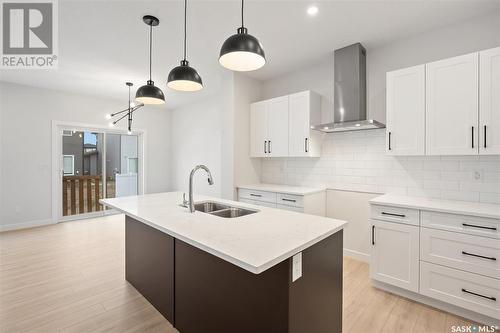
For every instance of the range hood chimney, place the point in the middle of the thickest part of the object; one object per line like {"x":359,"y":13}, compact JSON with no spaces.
{"x":349,"y":112}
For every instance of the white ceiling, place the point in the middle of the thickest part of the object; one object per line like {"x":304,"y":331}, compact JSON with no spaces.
{"x":104,"y":43}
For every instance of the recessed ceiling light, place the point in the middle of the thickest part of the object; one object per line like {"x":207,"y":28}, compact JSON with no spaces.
{"x":312,"y":10}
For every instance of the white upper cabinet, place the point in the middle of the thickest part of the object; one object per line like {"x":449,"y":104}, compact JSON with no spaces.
{"x":489,"y":102}
{"x":280,"y":126}
{"x":452,"y":106}
{"x":277,"y":127}
{"x":304,"y":111}
{"x":457,"y":100}
{"x":406,"y":111}
{"x":258,"y":129}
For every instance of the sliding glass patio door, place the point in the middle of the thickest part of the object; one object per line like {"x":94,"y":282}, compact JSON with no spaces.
{"x":96,"y":165}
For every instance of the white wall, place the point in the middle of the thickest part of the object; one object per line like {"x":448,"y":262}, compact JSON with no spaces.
{"x":356,"y":161}
{"x":464,"y":37}
{"x":461,"y":38}
{"x":196,"y":137}
{"x":216,"y":132}
{"x":25,"y":133}
{"x":246,"y":170}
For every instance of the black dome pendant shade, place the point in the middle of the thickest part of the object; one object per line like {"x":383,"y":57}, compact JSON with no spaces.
{"x":242,"y":52}
{"x":184,"y":77}
{"x":149,"y":93}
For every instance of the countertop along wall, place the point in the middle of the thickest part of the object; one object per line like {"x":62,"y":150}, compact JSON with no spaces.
{"x":25,"y":144}
{"x":356,"y":161}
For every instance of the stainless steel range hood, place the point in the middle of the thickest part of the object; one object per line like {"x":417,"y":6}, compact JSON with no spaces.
{"x":349,"y":112}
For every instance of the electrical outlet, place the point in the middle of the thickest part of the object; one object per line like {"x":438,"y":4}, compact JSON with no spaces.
{"x":296,"y":266}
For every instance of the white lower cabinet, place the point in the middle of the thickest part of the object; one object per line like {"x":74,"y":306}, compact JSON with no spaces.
{"x":467,"y":290}
{"x":310,"y":203}
{"x":448,"y":257}
{"x":475,"y":254}
{"x":394,"y":257}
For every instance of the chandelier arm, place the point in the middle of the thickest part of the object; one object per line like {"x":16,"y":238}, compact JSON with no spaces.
{"x":117,"y":113}
{"x":116,"y":121}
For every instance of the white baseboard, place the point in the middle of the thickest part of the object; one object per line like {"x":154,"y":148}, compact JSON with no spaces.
{"x":474,"y":316}
{"x":25,"y":225}
{"x":357,"y":255}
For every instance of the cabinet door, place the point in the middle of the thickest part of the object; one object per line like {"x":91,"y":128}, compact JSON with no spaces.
{"x":299,"y":127}
{"x":489,"y":102}
{"x":258,"y":129}
{"x":406,"y":111}
{"x":277,"y":126}
{"x":452,"y":106}
{"x":394,"y":256}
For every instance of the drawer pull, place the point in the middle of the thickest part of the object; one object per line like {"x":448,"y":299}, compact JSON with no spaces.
{"x":290,"y":200}
{"x":478,"y":226}
{"x":479,"y":295}
{"x":256,"y":195}
{"x":478,"y":255}
{"x":393,"y":214}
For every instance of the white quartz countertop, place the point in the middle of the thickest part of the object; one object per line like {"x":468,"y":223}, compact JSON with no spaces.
{"x":287,"y":189}
{"x":253,"y":242}
{"x":446,"y":206}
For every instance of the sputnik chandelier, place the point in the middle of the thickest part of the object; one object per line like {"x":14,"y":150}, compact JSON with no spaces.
{"x":128,"y":112}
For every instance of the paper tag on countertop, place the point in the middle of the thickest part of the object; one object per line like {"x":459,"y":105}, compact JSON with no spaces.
{"x":296,"y":266}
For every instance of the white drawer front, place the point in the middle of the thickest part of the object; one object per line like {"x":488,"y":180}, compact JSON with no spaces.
{"x":293,"y":209}
{"x":461,"y":223}
{"x":395,"y":214}
{"x":257,"y":195}
{"x":290,"y":200}
{"x":471,"y":291}
{"x":466,"y":252}
{"x":258,"y":203}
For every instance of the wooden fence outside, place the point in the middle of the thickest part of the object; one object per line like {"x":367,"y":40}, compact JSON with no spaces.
{"x":81,"y":194}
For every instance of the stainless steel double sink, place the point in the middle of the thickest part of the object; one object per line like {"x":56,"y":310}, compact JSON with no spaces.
{"x":222,"y":210}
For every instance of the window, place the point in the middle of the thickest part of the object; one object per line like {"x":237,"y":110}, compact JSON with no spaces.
{"x":133,"y":165}
{"x":69,"y":165}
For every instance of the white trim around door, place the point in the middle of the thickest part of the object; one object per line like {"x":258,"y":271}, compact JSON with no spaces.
{"x":57,"y":129}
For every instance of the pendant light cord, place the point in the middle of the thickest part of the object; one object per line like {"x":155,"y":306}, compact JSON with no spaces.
{"x":150,"y":49}
{"x":242,"y":5}
{"x":185,"y":28}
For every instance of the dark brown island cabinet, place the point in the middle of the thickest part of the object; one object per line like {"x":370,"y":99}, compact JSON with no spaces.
{"x":198,"y":292}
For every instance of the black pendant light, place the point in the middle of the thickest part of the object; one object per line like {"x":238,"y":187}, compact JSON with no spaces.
{"x":184,"y":77}
{"x":242,"y":52}
{"x":149,"y":93}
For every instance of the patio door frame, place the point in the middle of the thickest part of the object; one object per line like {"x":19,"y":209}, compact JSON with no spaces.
{"x":57,"y":165}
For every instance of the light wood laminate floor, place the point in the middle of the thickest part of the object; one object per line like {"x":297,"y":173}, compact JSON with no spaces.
{"x":69,"y":277}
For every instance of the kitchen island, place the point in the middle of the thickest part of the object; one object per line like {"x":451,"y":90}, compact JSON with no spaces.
{"x":270,"y":271}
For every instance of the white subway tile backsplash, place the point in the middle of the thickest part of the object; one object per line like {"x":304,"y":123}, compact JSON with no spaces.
{"x":357,"y":161}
